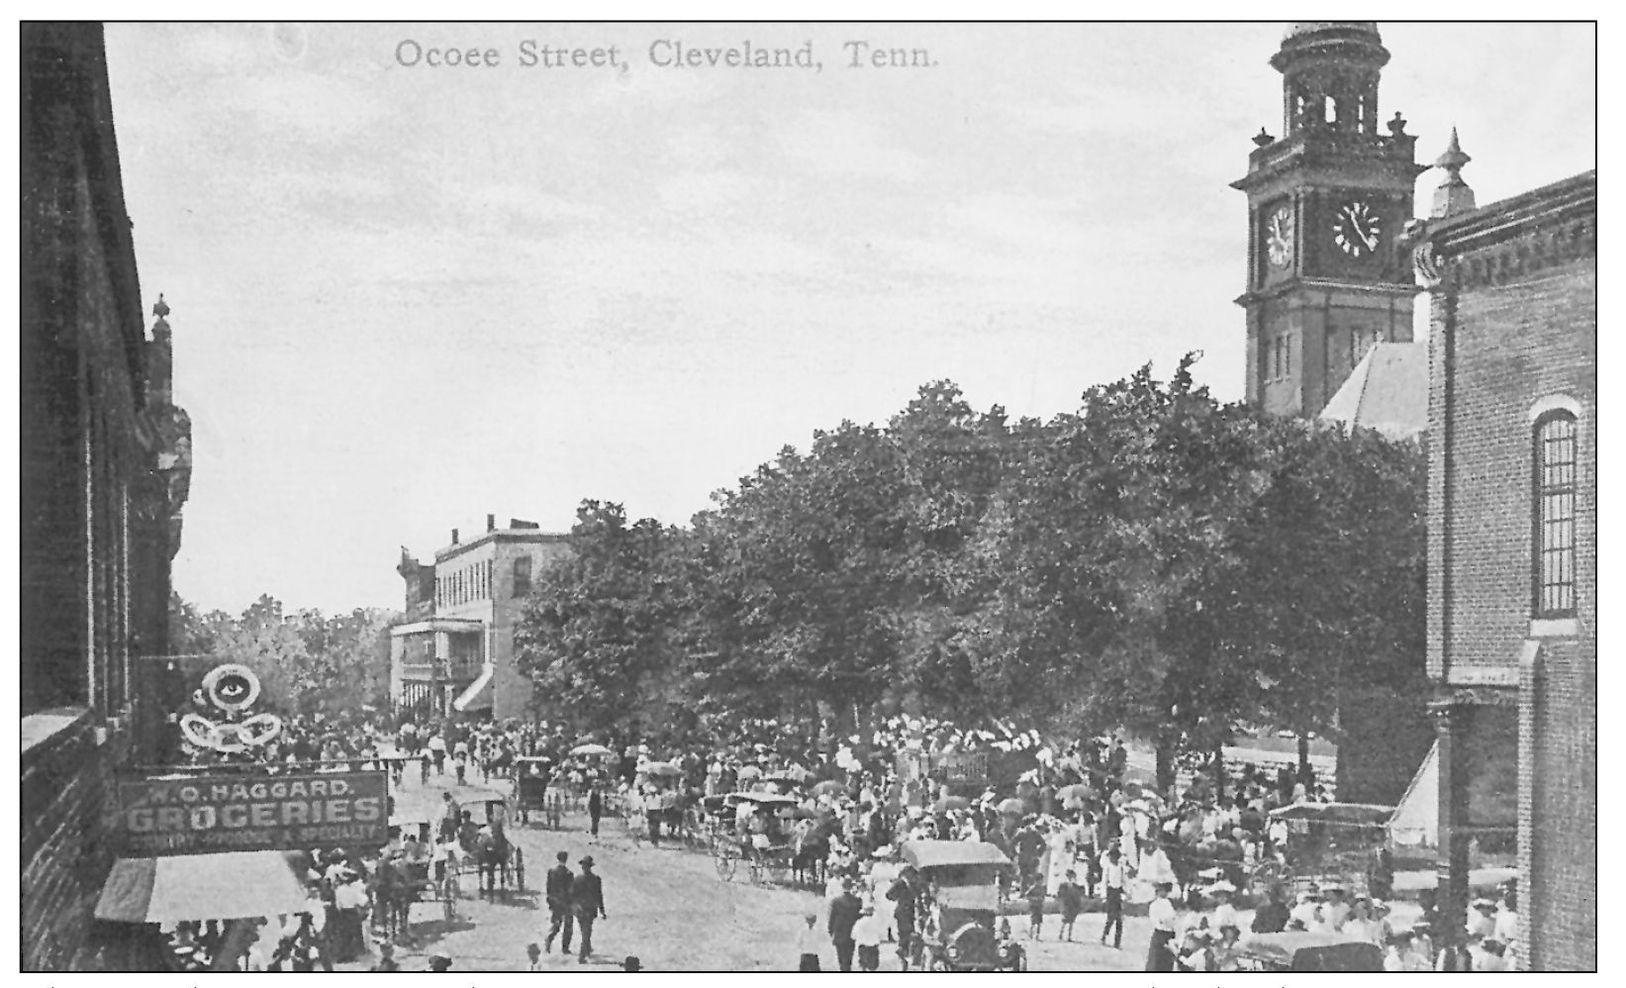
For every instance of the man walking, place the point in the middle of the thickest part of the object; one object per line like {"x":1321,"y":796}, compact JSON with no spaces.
{"x":451,"y":816}
{"x":1114,"y":875}
{"x":587,"y":896}
{"x":844,"y":912}
{"x":902,"y":894}
{"x":595,"y":808}
{"x":558,"y":895}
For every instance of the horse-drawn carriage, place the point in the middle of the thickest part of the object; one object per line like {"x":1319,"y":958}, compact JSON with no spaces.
{"x":536,"y":791}
{"x":765,"y":838}
{"x":1329,"y":843}
{"x":401,"y":881}
{"x":501,"y":862}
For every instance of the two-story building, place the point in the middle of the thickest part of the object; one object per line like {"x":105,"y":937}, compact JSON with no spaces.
{"x":456,"y":653}
{"x":1512,"y":548}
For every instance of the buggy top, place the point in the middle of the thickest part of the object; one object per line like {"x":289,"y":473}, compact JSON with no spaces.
{"x":952,"y":853}
{"x":1338,"y":814}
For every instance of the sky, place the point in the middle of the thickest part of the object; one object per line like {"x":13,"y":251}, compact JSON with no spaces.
{"x":404,"y":297}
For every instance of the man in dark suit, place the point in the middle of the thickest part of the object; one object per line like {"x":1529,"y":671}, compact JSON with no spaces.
{"x":587,"y":897}
{"x":595,"y":808}
{"x":558,"y":895}
{"x":903,"y":894}
{"x":844,"y":911}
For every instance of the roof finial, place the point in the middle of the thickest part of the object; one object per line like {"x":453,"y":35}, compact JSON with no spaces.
{"x":1453,"y":196}
{"x":162,"y":308}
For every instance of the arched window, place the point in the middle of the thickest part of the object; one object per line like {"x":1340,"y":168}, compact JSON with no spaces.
{"x":1553,"y":565}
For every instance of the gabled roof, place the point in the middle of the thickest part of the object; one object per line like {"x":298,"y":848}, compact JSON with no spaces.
{"x":1387,"y":391}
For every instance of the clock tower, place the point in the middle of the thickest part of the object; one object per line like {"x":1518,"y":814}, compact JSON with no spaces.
{"x":1326,"y":204}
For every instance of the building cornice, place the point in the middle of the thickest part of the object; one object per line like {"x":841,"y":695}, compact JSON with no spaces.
{"x":1510,"y":240}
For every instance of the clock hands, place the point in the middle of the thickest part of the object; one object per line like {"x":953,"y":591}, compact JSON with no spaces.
{"x":1365,"y":231}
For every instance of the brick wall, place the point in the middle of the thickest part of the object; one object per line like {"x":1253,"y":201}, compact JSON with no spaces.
{"x":66,"y":798}
{"x":1515,"y":343}
{"x":1559,"y":851}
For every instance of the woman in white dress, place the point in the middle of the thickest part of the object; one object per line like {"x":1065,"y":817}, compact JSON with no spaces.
{"x":1059,"y":857}
{"x":1128,"y":841}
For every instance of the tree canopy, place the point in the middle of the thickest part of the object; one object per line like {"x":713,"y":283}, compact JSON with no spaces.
{"x":1155,"y":561}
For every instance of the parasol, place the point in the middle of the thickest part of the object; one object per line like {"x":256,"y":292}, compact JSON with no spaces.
{"x":830,"y":787}
{"x":790,"y":773}
{"x":749,"y":772}
{"x":591,"y":750}
{"x":662,"y":769}
{"x":1012,"y":806}
{"x":1078,"y":791}
{"x":947,"y":803}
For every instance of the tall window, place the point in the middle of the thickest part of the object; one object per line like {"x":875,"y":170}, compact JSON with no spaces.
{"x":522,"y":576}
{"x":1554,"y":563}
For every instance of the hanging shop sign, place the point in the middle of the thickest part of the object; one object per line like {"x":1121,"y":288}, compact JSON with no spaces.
{"x":252,"y":812}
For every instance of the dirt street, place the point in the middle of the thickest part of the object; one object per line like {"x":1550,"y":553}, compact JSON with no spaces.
{"x":666,"y":906}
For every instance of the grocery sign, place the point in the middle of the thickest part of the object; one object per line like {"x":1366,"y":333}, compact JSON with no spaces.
{"x":252,"y":812}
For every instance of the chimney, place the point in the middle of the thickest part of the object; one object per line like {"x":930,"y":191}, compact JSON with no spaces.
{"x":454,"y":536}
{"x":491,"y":523}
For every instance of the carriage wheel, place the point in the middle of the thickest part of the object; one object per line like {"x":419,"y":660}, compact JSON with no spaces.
{"x":519,"y":869}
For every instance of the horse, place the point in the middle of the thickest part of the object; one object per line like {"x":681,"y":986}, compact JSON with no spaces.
{"x":393,"y":895}
{"x":810,"y":847}
{"x":491,"y":854}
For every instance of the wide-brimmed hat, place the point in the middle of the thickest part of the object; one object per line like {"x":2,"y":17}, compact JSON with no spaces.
{"x":1484,"y":904}
{"x":1222,"y":887}
{"x":586,"y":861}
{"x":440,"y":955}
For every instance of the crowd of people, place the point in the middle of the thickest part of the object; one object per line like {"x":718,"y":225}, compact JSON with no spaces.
{"x":1085,"y":835}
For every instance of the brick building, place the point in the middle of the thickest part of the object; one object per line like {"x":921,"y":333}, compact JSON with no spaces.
{"x":1512,"y":552}
{"x":456,"y":653}
{"x":106,"y":463}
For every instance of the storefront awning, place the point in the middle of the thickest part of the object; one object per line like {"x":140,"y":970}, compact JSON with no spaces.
{"x":477,"y":696}
{"x":228,"y":885}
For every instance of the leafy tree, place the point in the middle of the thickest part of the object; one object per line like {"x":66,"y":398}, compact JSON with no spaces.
{"x":596,"y":635}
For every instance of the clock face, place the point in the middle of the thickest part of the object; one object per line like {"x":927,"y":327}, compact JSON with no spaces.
{"x":1279,"y":237}
{"x":1356,"y":229}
